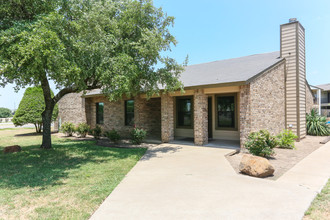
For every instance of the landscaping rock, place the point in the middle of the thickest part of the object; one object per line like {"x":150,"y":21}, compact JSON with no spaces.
{"x":12,"y":149}
{"x":256,"y":166}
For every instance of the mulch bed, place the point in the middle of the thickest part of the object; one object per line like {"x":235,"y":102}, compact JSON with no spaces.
{"x":123,"y":144}
{"x":284,"y":159}
{"x":105,"y":142}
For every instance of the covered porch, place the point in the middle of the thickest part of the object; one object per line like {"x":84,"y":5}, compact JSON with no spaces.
{"x":206,"y":116}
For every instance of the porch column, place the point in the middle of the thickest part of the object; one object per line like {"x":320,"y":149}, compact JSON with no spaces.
{"x":245,"y":118}
{"x":167,"y":118}
{"x":139,"y":105}
{"x":200,"y":117}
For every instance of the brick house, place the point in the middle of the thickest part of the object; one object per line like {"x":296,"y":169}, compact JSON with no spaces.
{"x":224,"y":100}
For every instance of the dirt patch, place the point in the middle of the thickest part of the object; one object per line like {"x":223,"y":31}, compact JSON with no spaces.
{"x":284,"y":159}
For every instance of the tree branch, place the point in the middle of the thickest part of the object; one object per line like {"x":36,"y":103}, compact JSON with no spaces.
{"x":68,"y":90}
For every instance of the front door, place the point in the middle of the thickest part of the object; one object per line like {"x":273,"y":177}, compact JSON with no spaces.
{"x":210,"y":117}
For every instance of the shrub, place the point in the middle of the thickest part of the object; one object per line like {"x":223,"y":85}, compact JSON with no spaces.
{"x":317,"y":124}
{"x":96,"y":132}
{"x":82,"y":129}
{"x":261,"y":143}
{"x":286,"y":139}
{"x":113,"y":135}
{"x":5,"y":113}
{"x":67,"y":128}
{"x":138,"y":135}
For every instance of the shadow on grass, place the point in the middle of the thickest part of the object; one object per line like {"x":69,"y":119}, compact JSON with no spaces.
{"x":35,"y":167}
{"x":31,"y":134}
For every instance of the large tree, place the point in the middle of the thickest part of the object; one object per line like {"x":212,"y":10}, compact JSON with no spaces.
{"x":31,"y":107}
{"x":114,"y":45}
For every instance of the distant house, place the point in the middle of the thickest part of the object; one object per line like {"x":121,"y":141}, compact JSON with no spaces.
{"x":322,"y":96}
{"x":225,"y":99}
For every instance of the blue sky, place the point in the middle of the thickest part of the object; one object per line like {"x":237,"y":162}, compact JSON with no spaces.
{"x":212,"y":30}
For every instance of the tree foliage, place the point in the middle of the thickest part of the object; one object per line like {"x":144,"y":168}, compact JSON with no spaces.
{"x":13,"y":12}
{"x":113,"y":45}
{"x":5,"y":113}
{"x":31,"y":107}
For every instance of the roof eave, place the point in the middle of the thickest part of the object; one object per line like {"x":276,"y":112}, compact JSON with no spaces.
{"x":91,"y":95}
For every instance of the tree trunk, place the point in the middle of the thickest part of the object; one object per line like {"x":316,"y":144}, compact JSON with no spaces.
{"x":35,"y":125}
{"x":50,"y":104}
{"x":38,"y":127}
{"x":47,"y":115}
{"x":46,"y":132}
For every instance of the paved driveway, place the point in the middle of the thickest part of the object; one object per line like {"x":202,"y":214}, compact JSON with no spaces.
{"x":188,"y":182}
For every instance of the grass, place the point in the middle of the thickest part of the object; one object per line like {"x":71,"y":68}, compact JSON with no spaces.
{"x":69,"y":181}
{"x":320,"y":207}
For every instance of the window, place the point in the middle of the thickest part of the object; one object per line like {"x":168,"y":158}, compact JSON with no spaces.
{"x":226,"y":112}
{"x":184,"y":112}
{"x":129,"y":112}
{"x":99,"y":112}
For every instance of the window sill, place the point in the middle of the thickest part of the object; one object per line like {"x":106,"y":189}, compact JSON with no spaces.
{"x":226,"y":129}
{"x":184,"y":127}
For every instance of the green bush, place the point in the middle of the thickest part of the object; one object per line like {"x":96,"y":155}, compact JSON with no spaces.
{"x":317,"y":124}
{"x":286,"y":139}
{"x":113,"y":135}
{"x":5,"y":113}
{"x":261,"y":143}
{"x":82,"y":129}
{"x":68,"y":128}
{"x":96,"y":132}
{"x":138,"y":135}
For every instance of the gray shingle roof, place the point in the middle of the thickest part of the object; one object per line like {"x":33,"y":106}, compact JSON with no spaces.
{"x":325,"y":87}
{"x":228,"y":71}
{"x":224,"y":71}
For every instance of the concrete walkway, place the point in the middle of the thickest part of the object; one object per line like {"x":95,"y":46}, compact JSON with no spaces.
{"x":188,"y":182}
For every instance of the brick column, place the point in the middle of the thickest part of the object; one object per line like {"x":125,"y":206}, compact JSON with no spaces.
{"x":200,"y":118}
{"x":245,"y":114}
{"x":139,"y":104}
{"x":167,"y":118}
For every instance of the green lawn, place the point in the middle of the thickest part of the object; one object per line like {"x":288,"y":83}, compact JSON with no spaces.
{"x":68,"y":182}
{"x":320,"y":207}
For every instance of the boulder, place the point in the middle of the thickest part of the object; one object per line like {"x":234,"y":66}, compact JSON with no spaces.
{"x":255,"y":166}
{"x":12,"y":149}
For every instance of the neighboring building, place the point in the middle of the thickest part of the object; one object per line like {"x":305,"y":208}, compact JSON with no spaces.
{"x":316,"y":91}
{"x":225,"y":99}
{"x":322,"y":93}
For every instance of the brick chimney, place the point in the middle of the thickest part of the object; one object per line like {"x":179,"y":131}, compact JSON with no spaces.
{"x":293,"y":50}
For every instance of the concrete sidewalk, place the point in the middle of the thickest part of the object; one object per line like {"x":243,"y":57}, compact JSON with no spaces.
{"x":188,"y":182}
